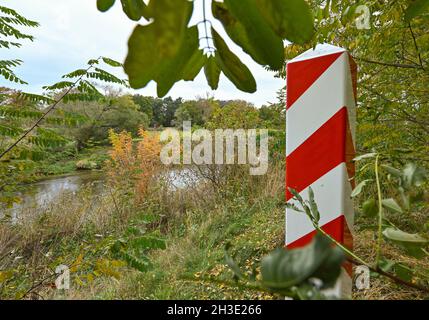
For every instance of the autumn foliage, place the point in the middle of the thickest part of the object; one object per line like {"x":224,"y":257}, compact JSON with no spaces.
{"x":134,"y":163}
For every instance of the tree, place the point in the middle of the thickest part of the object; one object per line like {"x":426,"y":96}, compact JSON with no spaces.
{"x":117,"y":112}
{"x":273,"y":116}
{"x":164,"y":110}
{"x":197,"y":111}
{"x":236,"y":114}
{"x":145,"y":105}
{"x":10,"y":34}
{"x":392,"y":57}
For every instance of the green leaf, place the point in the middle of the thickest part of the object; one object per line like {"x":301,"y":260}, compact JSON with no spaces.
{"x":35,"y":97}
{"x":394,"y":172}
{"x":416,"y":8}
{"x":365,"y":156}
{"x":358,"y":189}
{"x":263,"y":40}
{"x":212,"y":72}
{"x":59,"y":85}
{"x":5,"y":275}
{"x":75,"y":74}
{"x":141,"y":263}
{"x":111,"y":62}
{"x":385,"y":264}
{"x":293,"y":207}
{"x":296,"y":195}
{"x":406,"y":199}
{"x":313,"y":205}
{"x":171,"y":18}
{"x":403,"y":272}
{"x":147,"y":242}
{"x":413,"y":175}
{"x":391,"y":205}
{"x":330,"y":269}
{"x":233,"y":265}
{"x":194,"y":65}
{"x":133,"y":8}
{"x":92,"y":62}
{"x":142,"y":62}
{"x":291,"y":19}
{"x":369,"y":208}
{"x":104,"y":5}
{"x":232,"y":67}
{"x":171,"y":70}
{"x":10,"y":131}
{"x":285,"y":268}
{"x":326,"y":9}
{"x":412,"y":243}
{"x":236,"y":32}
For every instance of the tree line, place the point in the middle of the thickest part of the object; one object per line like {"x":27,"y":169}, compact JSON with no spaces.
{"x":86,"y":122}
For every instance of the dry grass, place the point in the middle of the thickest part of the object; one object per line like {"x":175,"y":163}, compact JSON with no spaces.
{"x":197,"y":236}
{"x":382,"y":288}
{"x":45,"y":236}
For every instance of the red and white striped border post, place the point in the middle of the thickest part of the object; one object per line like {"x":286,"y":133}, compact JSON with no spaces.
{"x":320,"y":126}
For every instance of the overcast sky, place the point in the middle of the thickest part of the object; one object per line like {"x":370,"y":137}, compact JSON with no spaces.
{"x":73,"y":31}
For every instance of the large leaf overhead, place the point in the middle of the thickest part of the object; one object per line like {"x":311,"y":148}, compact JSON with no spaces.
{"x":194,"y":65}
{"x":171,"y":18}
{"x":212,"y":72}
{"x":104,"y":5}
{"x":133,"y":8}
{"x":143,"y":60}
{"x":291,"y":19}
{"x":171,"y":69}
{"x":232,"y":67}
{"x":144,"y":64}
{"x":165,"y":48}
{"x":237,"y":32}
{"x":261,"y":37}
{"x":285,"y":268}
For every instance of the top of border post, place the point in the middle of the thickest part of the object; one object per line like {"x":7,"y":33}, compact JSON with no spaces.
{"x":319,"y":51}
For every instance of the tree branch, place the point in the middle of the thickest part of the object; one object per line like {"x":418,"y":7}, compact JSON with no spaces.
{"x":416,"y":46}
{"x":391,"y":64}
{"x":391,"y":277}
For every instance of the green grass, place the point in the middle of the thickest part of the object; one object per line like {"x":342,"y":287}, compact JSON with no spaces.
{"x":196,"y":250}
{"x":63,"y":163}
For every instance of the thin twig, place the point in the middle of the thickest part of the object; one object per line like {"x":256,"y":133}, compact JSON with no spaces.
{"x":391,"y":276}
{"x":40,"y":283}
{"x":380,"y":212}
{"x":391,"y":64}
{"x":415,"y":45}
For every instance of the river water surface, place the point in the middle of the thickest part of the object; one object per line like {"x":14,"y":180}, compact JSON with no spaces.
{"x":42,"y":193}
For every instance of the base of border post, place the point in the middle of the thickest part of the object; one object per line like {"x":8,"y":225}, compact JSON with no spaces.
{"x":343,"y":287}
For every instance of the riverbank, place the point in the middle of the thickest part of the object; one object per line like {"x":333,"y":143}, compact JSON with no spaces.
{"x":64,"y":163}
{"x":83,"y":230}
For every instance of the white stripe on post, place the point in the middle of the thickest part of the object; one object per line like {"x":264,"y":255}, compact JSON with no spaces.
{"x":320,"y":125}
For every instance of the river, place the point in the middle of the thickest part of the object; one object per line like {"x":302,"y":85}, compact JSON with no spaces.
{"x":42,"y":193}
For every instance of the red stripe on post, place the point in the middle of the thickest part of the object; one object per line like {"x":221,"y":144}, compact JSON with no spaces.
{"x":302,"y":74}
{"x":320,"y":153}
{"x":334,"y":228}
{"x":337,"y":229}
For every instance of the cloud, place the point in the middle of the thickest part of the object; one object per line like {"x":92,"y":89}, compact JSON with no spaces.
{"x":73,"y":32}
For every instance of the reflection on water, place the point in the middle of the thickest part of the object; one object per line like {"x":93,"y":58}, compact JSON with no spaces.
{"x":41,"y":194}
{"x":180,"y":178}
